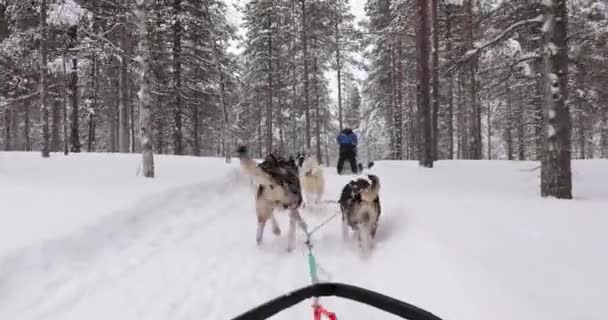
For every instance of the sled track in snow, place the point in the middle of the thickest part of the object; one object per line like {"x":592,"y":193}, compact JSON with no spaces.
{"x":118,"y":244}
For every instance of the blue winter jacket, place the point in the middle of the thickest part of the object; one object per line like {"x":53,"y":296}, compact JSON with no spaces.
{"x":347,"y":139}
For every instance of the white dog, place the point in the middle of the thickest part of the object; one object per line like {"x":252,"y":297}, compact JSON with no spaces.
{"x":312,"y":180}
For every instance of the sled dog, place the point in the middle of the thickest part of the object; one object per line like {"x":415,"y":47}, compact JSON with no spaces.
{"x":278,"y":188}
{"x":360,"y":207}
{"x":312,"y":180}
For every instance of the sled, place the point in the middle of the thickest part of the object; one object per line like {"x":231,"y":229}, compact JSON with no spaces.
{"x":371,"y":298}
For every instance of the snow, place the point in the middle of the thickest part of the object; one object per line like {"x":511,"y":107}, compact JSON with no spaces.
{"x":84,"y":238}
{"x":66,"y":12}
{"x":551,"y":131}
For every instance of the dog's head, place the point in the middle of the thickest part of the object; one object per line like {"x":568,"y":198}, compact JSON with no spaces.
{"x":310,"y":166}
{"x":360,"y":190}
{"x":279,"y":182}
{"x":300,"y":157}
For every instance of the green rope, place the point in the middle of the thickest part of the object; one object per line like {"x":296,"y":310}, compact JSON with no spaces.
{"x":312,"y":266}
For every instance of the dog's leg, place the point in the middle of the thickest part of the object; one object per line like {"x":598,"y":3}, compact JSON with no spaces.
{"x":357,"y":235}
{"x":344,"y":228}
{"x":366,"y":239}
{"x":263,"y":212}
{"x":275,"y":226}
{"x":291,"y":234}
{"x":299,"y":220}
{"x":260,"y":235}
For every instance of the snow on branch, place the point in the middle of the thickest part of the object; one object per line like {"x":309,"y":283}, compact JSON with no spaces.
{"x":477,"y":51}
{"x":66,"y":12}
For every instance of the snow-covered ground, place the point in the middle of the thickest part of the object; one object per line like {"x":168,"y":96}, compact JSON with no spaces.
{"x":83,"y":237}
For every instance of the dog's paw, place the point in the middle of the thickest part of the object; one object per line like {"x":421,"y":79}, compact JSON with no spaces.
{"x":276,"y":231}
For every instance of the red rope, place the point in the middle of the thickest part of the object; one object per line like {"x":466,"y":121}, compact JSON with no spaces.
{"x":320,"y":311}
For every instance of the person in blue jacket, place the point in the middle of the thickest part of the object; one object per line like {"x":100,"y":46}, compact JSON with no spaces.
{"x":347,"y":140}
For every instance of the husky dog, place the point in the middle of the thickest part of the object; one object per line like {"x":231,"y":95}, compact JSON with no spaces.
{"x":360,"y":206}
{"x":278,"y":187}
{"x":313,"y":183}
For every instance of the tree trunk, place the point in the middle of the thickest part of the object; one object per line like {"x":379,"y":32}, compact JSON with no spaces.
{"x":279,"y":113}
{"x":538,"y":120}
{"x":400,"y":75}
{"x":269,"y":107}
{"x":413,"y":132}
{"x":94,"y":85}
{"x":338,"y":66}
{"x":489,"y":120}
{"x":326,"y":134}
{"x":397,"y":106}
{"x":160,"y":127}
{"x":196,"y":131}
{"x":123,"y":108}
{"x":114,"y":107}
{"x":463,"y":142}
{"x":259,"y":137}
{"x":26,"y":126}
{"x":294,"y":110}
{"x":66,"y":147}
{"x":7,"y":129}
{"x":43,"y":81}
{"x":177,"y":79}
{"x":317,"y":112}
{"x":56,"y":123}
{"x":393,"y":106}
{"x":521,"y":144}
{"x":424,"y":94}
{"x":145,"y":100}
{"x":475,"y":121}
{"x":509,"y":124}
{"x":93,"y":107}
{"x":132,"y":117}
{"x":74,"y":130}
{"x":556,"y":174}
{"x":448,"y":48}
{"x":435,"y":70}
{"x":306,"y":75}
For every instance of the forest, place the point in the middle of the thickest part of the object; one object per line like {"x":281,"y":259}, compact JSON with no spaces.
{"x":444,"y":79}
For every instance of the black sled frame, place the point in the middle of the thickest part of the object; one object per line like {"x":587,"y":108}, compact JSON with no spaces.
{"x":380,"y":301}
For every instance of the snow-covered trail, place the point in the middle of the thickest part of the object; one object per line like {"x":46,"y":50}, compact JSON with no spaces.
{"x":182,"y":255}
{"x":452,"y":240}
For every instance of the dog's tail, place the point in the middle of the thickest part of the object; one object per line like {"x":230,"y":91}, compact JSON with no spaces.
{"x":250,"y":167}
{"x":371,"y":193}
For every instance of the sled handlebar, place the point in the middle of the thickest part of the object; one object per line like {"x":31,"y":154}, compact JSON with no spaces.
{"x":380,"y":301}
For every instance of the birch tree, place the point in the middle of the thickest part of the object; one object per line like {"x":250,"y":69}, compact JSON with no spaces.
{"x":556,"y":175}
{"x":145,"y":123}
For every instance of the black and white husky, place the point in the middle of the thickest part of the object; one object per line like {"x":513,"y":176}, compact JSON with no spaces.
{"x":278,"y":188}
{"x":360,"y":206}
